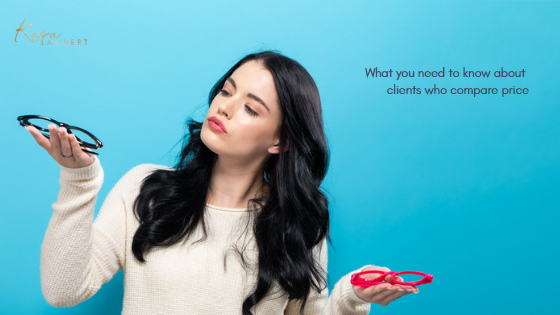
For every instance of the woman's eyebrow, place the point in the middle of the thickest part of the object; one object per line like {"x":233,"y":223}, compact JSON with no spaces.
{"x":253,"y":96}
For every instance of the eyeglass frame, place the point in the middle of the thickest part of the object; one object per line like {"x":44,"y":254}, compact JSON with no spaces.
{"x":363,"y":282}
{"x":24,"y":121}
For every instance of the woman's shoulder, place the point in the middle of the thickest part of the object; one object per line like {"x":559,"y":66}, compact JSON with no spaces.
{"x":138,"y":173}
{"x":148,"y":168}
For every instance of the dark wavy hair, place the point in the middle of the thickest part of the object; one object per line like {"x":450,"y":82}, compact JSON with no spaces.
{"x":294,"y":218}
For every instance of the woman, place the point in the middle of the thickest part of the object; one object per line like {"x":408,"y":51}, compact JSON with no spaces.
{"x":238,"y":226}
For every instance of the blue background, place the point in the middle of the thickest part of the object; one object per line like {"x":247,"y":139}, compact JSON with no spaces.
{"x":465,"y":188}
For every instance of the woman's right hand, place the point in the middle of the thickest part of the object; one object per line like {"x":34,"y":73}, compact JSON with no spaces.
{"x":61,"y":143}
{"x":383,"y":294}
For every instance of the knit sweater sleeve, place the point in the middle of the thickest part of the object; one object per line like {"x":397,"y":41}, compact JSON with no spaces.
{"x":342,"y":300}
{"x":78,"y":255}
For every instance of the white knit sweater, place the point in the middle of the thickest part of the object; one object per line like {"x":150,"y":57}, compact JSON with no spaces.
{"x":79,"y":255}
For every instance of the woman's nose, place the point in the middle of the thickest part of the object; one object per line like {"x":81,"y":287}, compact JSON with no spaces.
{"x":223,"y":109}
{"x":227,"y":107}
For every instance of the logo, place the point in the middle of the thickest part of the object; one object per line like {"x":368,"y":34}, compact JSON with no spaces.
{"x":47,"y":41}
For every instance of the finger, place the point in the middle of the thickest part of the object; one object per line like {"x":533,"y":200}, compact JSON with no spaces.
{"x":414,"y":289}
{"x":400,"y":288}
{"x":380,"y":291}
{"x":39,"y":138}
{"x":65,"y":148}
{"x":381,"y":296}
{"x":55,"y":140}
{"x":406,"y":289}
{"x":384,"y":287}
{"x":374,"y":290}
{"x":391,"y":297}
{"x":80,"y":155}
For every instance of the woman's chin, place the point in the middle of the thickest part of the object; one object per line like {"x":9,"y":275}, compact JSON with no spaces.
{"x":210,"y":140}
{"x":207,"y":142}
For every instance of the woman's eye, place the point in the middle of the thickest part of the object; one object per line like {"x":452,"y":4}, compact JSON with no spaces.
{"x":247,"y":108}
{"x":250,"y":111}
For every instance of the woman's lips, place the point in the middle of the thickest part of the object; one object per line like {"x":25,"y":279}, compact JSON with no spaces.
{"x":216,"y":124}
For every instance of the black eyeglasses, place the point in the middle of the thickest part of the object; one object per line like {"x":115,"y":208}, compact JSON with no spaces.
{"x":85,"y":139}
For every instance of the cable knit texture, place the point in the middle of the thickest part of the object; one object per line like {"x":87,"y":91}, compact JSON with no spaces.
{"x":79,"y":255}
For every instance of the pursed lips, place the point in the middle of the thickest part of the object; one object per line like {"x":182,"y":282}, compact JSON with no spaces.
{"x":219,"y":124}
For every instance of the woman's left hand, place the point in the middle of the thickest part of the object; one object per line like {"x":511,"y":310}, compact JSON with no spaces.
{"x":383,"y":294}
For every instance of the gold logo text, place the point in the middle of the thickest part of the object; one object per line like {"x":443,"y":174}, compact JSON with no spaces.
{"x":35,"y":37}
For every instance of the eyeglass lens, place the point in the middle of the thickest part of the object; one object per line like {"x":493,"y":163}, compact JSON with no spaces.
{"x":410,"y":277}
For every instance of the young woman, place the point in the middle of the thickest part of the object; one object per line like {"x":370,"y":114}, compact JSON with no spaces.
{"x":238,"y":226}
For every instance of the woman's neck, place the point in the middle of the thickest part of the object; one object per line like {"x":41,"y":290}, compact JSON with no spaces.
{"x":232,"y":186}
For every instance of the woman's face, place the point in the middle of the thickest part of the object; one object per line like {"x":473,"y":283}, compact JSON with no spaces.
{"x":249,"y":110}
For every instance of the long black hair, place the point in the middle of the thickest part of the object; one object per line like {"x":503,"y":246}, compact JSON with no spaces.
{"x":293,"y":218}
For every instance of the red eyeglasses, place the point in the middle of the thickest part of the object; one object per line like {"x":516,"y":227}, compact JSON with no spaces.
{"x":363,"y":282}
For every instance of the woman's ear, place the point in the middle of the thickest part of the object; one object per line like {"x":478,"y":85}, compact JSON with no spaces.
{"x":275,"y":150}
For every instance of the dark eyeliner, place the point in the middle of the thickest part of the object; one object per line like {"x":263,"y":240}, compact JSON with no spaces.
{"x":250,"y":111}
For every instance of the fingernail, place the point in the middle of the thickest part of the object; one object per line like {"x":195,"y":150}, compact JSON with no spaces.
{"x":401,"y":290}
{"x":408,"y":290}
{"x":389,"y":288}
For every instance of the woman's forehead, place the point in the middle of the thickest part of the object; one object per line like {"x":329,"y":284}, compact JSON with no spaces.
{"x":253,"y":78}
